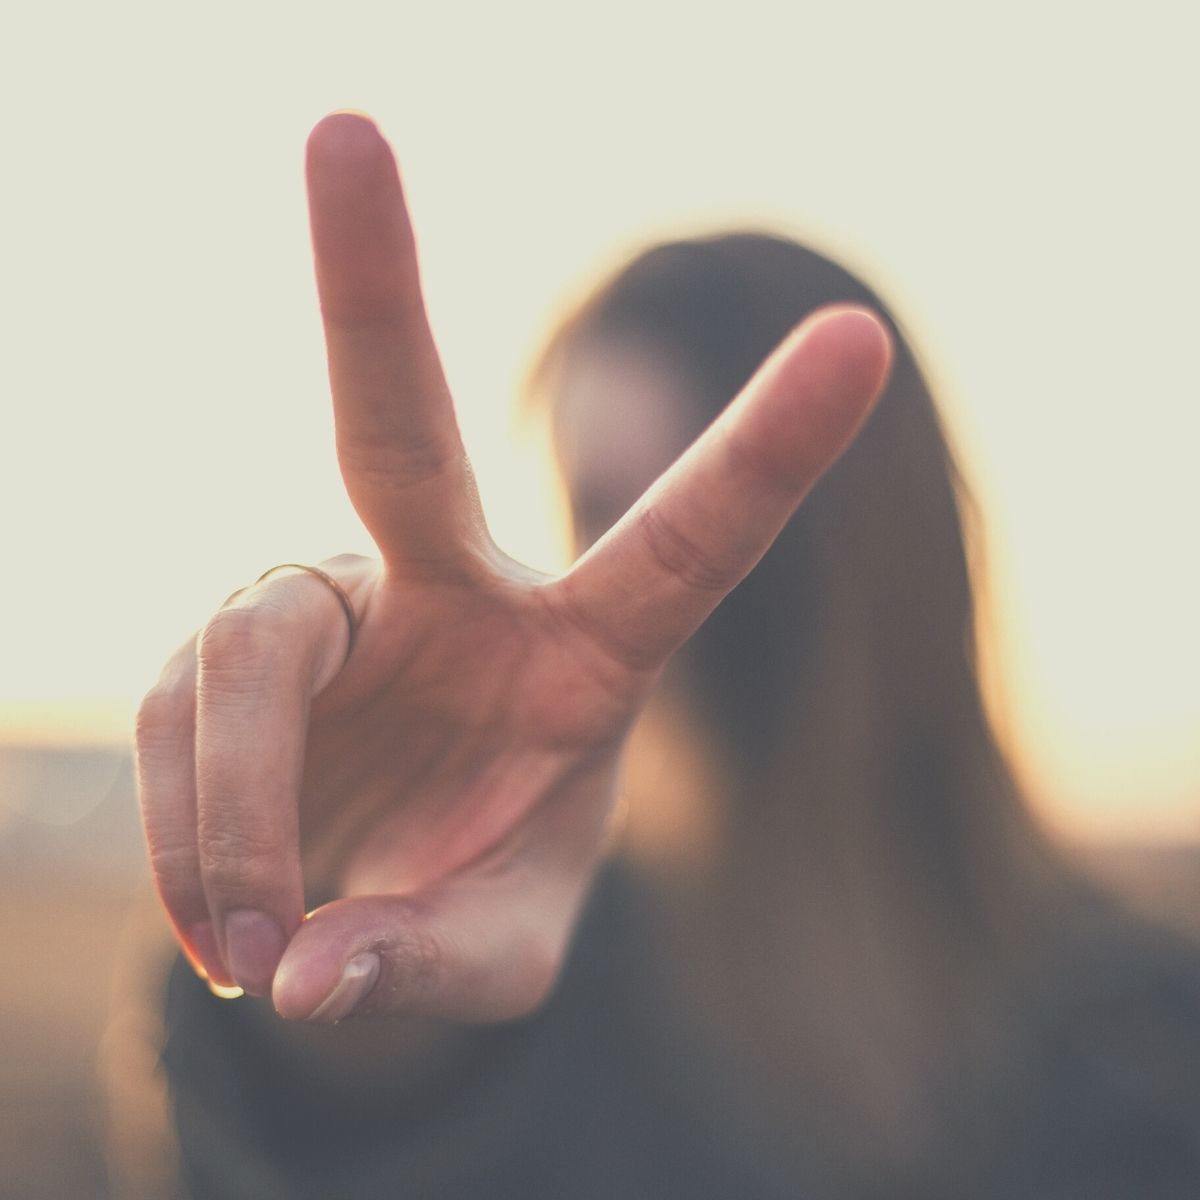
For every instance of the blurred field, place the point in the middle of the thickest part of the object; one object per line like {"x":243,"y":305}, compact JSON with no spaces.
{"x":70,"y":867}
{"x":71,"y":875}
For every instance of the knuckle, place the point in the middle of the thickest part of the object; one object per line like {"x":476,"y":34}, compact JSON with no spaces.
{"x":243,"y":641}
{"x":681,"y":556}
{"x":175,"y":864}
{"x":399,"y":465}
{"x":414,"y":962}
{"x":164,"y":717}
{"x":236,"y":863}
{"x":429,"y":972}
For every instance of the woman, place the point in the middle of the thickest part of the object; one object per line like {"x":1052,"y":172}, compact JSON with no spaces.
{"x":863,"y":973}
{"x":895,"y":940}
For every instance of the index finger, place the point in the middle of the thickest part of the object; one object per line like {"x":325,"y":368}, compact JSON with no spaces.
{"x":398,"y":442}
{"x":646,"y":586}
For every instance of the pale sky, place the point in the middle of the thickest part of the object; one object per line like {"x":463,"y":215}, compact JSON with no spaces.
{"x":1019,"y":180}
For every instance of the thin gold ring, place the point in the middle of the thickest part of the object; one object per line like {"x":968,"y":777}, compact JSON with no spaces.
{"x":338,"y":591}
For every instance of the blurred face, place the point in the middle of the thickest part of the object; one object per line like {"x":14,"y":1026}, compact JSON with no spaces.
{"x":622,"y":416}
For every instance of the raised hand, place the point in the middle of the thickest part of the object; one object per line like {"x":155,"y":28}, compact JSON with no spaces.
{"x":444,"y":791}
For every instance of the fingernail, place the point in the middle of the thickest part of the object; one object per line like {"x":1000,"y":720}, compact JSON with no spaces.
{"x":358,"y":978}
{"x":253,"y":947}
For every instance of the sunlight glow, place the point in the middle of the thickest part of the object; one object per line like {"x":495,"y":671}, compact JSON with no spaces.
{"x":167,"y":428}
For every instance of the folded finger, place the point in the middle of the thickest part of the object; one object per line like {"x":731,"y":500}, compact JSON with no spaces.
{"x":166,"y":772}
{"x":260,"y":661}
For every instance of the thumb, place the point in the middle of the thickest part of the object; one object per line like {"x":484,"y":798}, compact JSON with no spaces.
{"x":474,"y":949}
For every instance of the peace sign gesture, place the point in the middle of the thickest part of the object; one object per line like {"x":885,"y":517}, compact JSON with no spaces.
{"x":446,"y":787}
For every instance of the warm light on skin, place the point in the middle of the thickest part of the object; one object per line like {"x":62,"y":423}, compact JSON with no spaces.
{"x":167,"y":433}
{"x":224,"y":993}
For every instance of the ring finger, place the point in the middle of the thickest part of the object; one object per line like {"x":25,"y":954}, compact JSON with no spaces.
{"x":260,"y":661}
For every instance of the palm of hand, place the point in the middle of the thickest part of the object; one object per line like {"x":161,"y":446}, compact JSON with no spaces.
{"x":470,"y":714}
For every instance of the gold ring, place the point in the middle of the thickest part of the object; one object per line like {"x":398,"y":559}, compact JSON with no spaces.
{"x":338,"y":591}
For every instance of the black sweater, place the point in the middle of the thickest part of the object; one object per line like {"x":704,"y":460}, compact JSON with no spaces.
{"x":603,"y":1096}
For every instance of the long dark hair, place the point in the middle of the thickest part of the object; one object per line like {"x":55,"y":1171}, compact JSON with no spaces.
{"x":877,"y":872}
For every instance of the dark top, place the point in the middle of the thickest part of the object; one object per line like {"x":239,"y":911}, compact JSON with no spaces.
{"x":602,"y":1095}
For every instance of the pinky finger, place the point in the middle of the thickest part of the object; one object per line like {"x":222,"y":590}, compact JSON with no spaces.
{"x":166,"y":774}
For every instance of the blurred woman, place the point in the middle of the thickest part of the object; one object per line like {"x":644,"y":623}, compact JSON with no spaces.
{"x":867,"y":919}
{"x":839,"y":958}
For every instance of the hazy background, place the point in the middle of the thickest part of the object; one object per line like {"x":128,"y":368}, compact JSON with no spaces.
{"x":1019,"y":180}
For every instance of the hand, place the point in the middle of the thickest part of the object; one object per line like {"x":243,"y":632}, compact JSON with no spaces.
{"x":447,"y":789}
